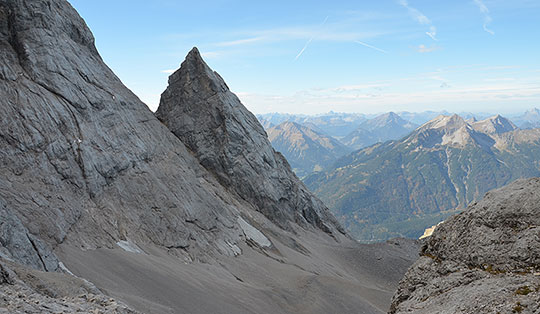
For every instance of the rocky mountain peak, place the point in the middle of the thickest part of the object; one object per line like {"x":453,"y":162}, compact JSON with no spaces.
{"x":306,"y":150}
{"x":448,"y":124}
{"x":229,"y":141}
{"x":529,"y":120}
{"x":533,"y":112}
{"x":442,"y":130}
{"x":289,"y":125}
{"x":389,"y":119}
{"x":494,"y":125}
{"x":390,"y":116}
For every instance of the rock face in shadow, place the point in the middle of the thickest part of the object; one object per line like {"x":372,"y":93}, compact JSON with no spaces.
{"x":83,"y":160}
{"x":229,"y":141}
{"x":485,"y":260}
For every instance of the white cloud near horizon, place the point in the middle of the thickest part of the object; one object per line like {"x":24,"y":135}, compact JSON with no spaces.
{"x":420,"y":18}
{"x":487,"y":17}
{"x":480,"y":97}
{"x":423,"y":91}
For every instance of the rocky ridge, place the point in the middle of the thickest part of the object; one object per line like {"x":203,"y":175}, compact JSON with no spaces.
{"x":484,"y":260}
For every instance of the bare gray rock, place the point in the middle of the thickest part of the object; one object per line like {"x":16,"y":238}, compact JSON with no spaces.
{"x":229,"y":141}
{"x":89,"y":176}
{"x":485,"y":260}
{"x":31,"y":291}
{"x":83,"y":160}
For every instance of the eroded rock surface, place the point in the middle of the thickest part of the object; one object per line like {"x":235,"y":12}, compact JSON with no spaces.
{"x":83,"y":160}
{"x":229,"y":141}
{"x":485,"y":260}
{"x":30,"y":291}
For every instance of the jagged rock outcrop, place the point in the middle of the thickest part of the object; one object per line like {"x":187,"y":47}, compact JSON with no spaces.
{"x":24,"y":290}
{"x":484,"y":260}
{"x":229,"y":141}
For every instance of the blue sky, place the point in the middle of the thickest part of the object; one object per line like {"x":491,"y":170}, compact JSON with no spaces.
{"x":347,"y":56}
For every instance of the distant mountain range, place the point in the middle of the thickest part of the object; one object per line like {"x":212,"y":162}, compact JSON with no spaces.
{"x":529,"y":120}
{"x":316,"y":142}
{"x":309,"y":146}
{"x":333,"y":123}
{"x":306,"y":150}
{"x":389,"y":126}
{"x":401,"y":187}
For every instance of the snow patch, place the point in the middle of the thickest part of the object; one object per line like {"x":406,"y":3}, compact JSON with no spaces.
{"x":253,"y":233}
{"x":129,"y":246}
{"x":65,"y":269}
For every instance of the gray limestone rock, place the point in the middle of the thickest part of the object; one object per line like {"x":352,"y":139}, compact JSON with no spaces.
{"x":485,"y":260}
{"x":82,"y":159}
{"x":18,"y":244}
{"x":229,"y":141}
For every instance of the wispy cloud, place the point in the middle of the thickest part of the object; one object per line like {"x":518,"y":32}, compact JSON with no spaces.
{"x":309,"y":41}
{"x":170,"y":71}
{"x":487,"y":16}
{"x":210,"y":54}
{"x":239,"y":42}
{"x":420,"y":18}
{"x":480,"y":89}
{"x":370,"y":101}
{"x":370,"y":46}
{"x":425,"y":49}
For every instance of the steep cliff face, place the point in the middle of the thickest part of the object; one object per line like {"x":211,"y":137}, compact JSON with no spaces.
{"x":93,"y":184}
{"x":485,"y":260}
{"x":229,"y":141}
{"x":83,"y":159}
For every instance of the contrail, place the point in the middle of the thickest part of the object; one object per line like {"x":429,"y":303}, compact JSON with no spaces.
{"x":309,"y":41}
{"x":304,"y":49}
{"x":370,"y":46}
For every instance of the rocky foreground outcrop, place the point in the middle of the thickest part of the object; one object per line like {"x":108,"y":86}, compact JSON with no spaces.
{"x":204,"y":219}
{"x":24,"y":290}
{"x":485,"y":260}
